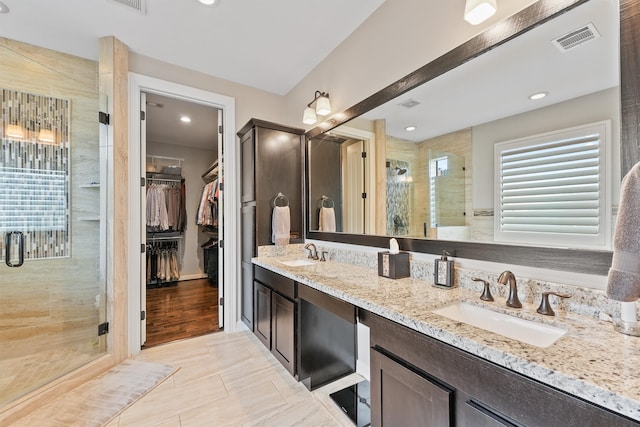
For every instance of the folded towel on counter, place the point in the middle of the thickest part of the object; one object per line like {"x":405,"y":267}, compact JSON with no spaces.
{"x":280,"y":225}
{"x":623,"y":282}
{"x":327,"y":220}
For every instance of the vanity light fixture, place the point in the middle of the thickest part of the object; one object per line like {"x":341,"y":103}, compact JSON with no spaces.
{"x":323,"y":107}
{"x":538,"y":95}
{"x":410,"y":128}
{"x":478,"y":11}
{"x":185,"y":119}
{"x":4,"y":8}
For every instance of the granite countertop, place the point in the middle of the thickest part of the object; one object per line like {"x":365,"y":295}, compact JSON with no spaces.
{"x":590,"y":361}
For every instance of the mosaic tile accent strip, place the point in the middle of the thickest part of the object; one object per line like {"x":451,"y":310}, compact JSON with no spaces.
{"x":34,"y":173}
{"x":397,"y":199}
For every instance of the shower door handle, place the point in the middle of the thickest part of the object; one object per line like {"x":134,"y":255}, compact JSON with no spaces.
{"x":7,"y":248}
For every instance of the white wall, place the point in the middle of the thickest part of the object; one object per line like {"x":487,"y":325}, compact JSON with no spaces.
{"x":250,"y":102}
{"x":603,"y":105}
{"x":399,"y":37}
{"x":196,"y":162}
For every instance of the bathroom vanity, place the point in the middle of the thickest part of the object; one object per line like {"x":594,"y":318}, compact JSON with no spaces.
{"x":430,"y":370}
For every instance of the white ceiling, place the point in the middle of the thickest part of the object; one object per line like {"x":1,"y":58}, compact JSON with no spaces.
{"x":163,"y":123}
{"x":270,"y":45}
{"x":498,"y":83}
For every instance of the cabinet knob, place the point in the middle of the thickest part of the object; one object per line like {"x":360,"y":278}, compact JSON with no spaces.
{"x":545,"y":307}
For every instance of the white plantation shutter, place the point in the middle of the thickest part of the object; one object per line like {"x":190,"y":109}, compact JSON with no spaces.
{"x":552,"y":188}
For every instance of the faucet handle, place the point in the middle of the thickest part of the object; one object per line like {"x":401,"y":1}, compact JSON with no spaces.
{"x":323,"y":254}
{"x":486,"y":294}
{"x":545,"y":307}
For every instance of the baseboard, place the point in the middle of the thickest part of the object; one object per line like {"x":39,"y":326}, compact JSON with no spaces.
{"x":192,"y":277}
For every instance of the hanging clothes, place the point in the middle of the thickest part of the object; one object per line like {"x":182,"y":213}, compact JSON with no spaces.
{"x":208,"y":208}
{"x":162,"y":262}
{"x":166,"y":207}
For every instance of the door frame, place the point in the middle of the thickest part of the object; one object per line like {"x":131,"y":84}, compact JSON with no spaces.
{"x":140,"y":83}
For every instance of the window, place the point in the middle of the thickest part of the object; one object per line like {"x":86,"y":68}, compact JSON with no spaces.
{"x":552,"y":189}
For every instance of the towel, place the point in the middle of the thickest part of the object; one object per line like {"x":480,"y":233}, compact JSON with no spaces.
{"x":280,"y":225}
{"x":623,"y":282}
{"x":327,"y":220}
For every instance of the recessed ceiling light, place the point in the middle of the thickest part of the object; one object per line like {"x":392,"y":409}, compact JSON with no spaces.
{"x":410,"y":128}
{"x":209,"y":2}
{"x":538,"y":95}
{"x":185,"y":119}
{"x":4,"y":8}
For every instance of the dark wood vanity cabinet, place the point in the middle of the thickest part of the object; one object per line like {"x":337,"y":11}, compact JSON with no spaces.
{"x":275,"y":315}
{"x":272,"y":162}
{"x":418,"y":380}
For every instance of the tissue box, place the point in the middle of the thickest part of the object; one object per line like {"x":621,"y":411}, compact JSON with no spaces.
{"x":393,"y":266}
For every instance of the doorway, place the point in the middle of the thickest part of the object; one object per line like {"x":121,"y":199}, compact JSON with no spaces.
{"x":181,"y":217}
{"x":176,"y":158}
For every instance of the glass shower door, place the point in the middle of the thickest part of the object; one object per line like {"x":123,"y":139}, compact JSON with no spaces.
{"x":52,"y":220}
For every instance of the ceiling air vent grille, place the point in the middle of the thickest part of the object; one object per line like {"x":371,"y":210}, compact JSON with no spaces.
{"x":576,"y":37}
{"x":410,"y":103}
{"x":139,"y":5}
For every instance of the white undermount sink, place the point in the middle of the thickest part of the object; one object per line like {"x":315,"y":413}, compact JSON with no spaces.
{"x":297,"y":262}
{"x":527,"y":331}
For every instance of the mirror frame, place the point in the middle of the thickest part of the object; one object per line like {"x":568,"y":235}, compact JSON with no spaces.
{"x":573,"y":260}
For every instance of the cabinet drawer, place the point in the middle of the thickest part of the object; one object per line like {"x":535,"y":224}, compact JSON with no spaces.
{"x":282,"y":285}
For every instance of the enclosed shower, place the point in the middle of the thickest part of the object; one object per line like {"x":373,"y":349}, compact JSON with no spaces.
{"x":52,"y":218}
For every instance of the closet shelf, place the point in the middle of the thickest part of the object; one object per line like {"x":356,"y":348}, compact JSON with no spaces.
{"x":211,"y":173}
{"x":90,"y":185}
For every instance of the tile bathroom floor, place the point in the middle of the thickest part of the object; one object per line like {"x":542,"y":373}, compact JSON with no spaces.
{"x":230,"y":379}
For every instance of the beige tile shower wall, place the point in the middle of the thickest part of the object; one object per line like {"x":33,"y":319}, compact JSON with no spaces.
{"x":52,"y":303}
{"x":458,"y":143}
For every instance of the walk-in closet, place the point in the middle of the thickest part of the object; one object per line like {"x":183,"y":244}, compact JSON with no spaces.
{"x":182,"y":217}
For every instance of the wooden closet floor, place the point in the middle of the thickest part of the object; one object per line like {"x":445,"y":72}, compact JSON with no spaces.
{"x":188,"y":309}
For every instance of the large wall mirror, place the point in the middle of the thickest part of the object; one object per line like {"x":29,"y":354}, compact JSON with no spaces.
{"x":429,"y":172}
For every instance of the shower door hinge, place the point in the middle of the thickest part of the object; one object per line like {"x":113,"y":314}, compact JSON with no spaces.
{"x":364,"y":195}
{"x":103,"y":328}
{"x":143,"y":182}
{"x":143,"y":115}
{"x":221,"y":186}
{"x":220,"y":129}
{"x":221,"y":301}
{"x":364,"y":154}
{"x":142,"y":248}
{"x":143,"y":315}
{"x":103,"y":118}
{"x":221,"y":244}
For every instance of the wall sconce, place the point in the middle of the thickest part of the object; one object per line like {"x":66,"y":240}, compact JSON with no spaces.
{"x":323,"y":107}
{"x":478,"y":11}
{"x":14,"y":131}
{"x":46,"y":136}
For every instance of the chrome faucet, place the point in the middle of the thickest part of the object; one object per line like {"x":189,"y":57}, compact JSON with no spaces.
{"x":313,"y":254}
{"x":510,"y":278}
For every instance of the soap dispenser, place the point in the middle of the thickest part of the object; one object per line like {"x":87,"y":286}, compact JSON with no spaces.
{"x":443,"y":271}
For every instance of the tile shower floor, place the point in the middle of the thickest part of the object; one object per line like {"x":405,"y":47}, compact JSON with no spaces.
{"x":230,"y":380}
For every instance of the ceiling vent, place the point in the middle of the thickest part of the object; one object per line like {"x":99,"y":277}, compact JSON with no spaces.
{"x":409,"y":103}
{"x":139,"y":5}
{"x":576,"y":37}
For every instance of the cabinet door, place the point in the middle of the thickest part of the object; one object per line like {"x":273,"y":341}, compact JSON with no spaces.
{"x":402,"y":397}
{"x":262,"y":311}
{"x":479,"y":415}
{"x":283,"y":315}
{"x":246,"y":307}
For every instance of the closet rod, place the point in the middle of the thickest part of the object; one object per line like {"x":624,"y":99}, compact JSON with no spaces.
{"x":165,"y":238}
{"x":164,"y":179}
